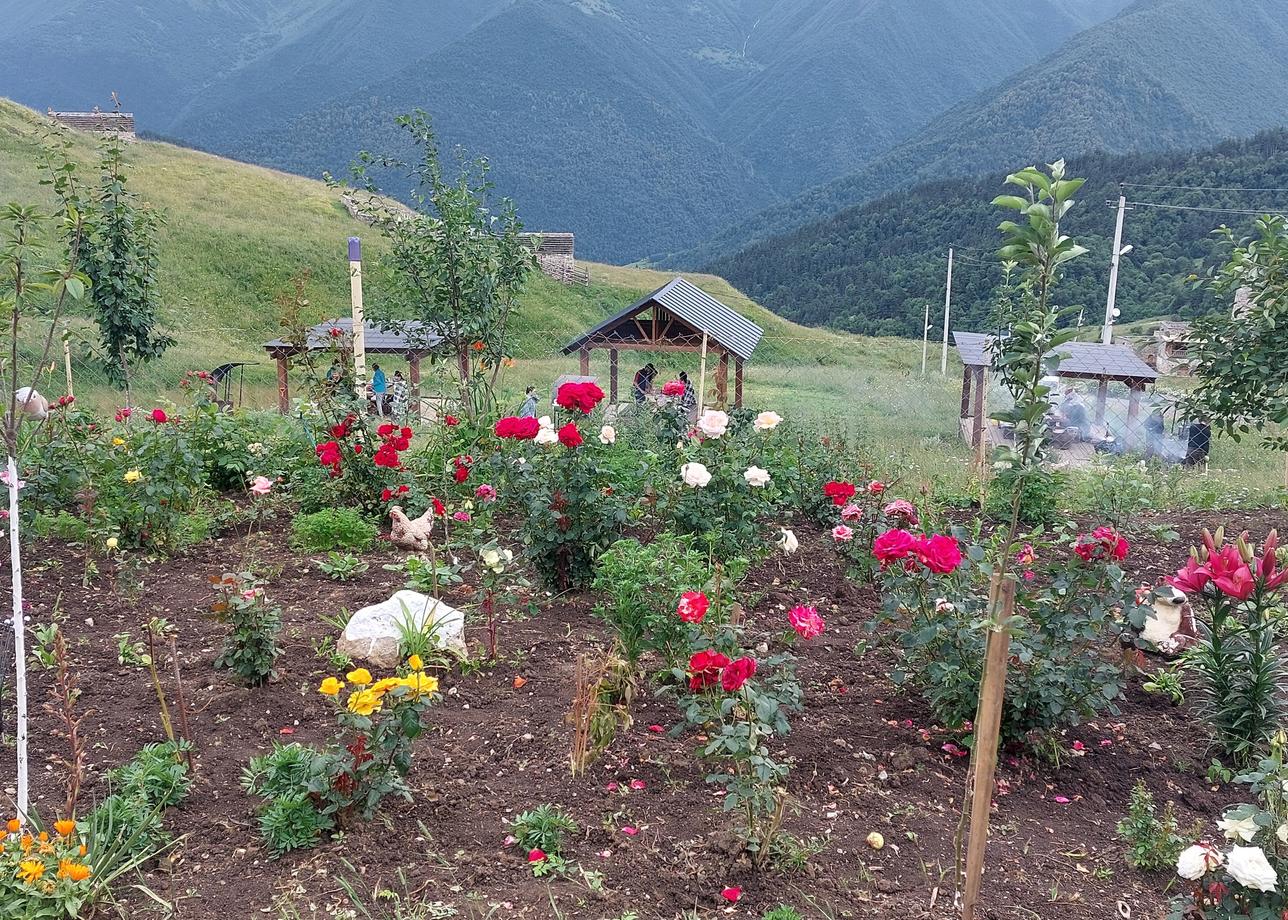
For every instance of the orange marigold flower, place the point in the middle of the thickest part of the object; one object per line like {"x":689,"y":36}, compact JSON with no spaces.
{"x":74,"y":871}
{"x":64,"y":827}
{"x":83,"y":850}
{"x":14,"y":825}
{"x":44,"y":836}
{"x":30,"y":870}
{"x":25,"y":841}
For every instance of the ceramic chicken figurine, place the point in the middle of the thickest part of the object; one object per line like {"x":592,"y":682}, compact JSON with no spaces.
{"x":409,"y":534}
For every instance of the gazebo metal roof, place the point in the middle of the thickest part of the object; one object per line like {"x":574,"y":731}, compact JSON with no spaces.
{"x":402,"y":337}
{"x":1082,"y":360}
{"x":692,"y":306}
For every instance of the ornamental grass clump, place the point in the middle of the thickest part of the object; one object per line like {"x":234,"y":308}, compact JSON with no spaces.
{"x":1236,"y":666}
{"x":309,"y":790}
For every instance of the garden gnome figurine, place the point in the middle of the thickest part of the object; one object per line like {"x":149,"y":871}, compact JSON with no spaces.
{"x":1169,"y":626}
{"x":405,"y":533}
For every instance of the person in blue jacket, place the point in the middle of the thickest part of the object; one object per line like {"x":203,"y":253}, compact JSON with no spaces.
{"x":379,"y":385}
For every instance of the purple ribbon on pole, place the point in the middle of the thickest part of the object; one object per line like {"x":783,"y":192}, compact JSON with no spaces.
{"x":355,"y":249}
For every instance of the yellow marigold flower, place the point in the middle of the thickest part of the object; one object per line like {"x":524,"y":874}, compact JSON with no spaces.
{"x":364,"y":703}
{"x":331,"y":686}
{"x":73,"y":871}
{"x":64,"y":827}
{"x":117,"y":442}
{"x":359,"y":676}
{"x":14,"y":825}
{"x":415,"y":663}
{"x":132,"y":476}
{"x":30,"y":870}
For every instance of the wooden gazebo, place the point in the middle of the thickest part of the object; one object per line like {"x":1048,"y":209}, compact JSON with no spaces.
{"x":1078,"y":361}
{"x":676,"y":317}
{"x":409,"y":339}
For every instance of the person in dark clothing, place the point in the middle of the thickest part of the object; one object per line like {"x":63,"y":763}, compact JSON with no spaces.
{"x":643,"y":382}
{"x":689,"y":399}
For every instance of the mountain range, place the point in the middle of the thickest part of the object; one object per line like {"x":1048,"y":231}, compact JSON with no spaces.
{"x":642,"y":125}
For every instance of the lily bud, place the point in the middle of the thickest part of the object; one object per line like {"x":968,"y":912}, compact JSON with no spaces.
{"x":1245,"y":548}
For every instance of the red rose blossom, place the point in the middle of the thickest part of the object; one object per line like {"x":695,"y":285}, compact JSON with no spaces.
{"x":893,"y":544}
{"x":839,"y":492}
{"x":939,"y":553}
{"x":451,"y":421}
{"x":159,"y":416}
{"x":569,"y":436}
{"x":579,"y":397}
{"x":693,"y":606}
{"x":705,"y":668}
{"x":736,"y":673}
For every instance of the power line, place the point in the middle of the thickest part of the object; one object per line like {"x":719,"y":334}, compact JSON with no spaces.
{"x":1214,"y":210}
{"x":1202,"y":188}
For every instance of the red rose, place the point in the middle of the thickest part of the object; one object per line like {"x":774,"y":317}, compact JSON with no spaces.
{"x":461,"y":473}
{"x":357,"y":448}
{"x":386,"y":494}
{"x":736,"y":673}
{"x":439,"y":508}
{"x":451,"y":421}
{"x":520,"y":429}
{"x":839,"y":492}
{"x":159,"y":416}
{"x":939,"y":553}
{"x":893,"y":544}
{"x":387,"y":457}
{"x":339,"y":431}
{"x":569,"y":436}
{"x":705,"y":668}
{"x":876,"y":488}
{"x":1102,"y":543}
{"x":693,"y":606}
{"x":579,"y":397}
{"x":385,"y":430}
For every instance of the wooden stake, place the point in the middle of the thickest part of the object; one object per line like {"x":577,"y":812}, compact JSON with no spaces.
{"x":67,"y":361}
{"x":702,"y":376}
{"x":988,"y":724}
{"x":359,"y":321}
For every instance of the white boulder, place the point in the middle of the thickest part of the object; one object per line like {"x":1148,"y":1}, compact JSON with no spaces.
{"x":373,"y":632}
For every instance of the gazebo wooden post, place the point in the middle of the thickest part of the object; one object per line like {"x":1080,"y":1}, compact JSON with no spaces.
{"x":1133,"y":402}
{"x":1102,"y":398}
{"x":737,"y":383}
{"x":584,"y":356}
{"x":722,"y":380}
{"x":413,"y":373}
{"x":612,"y":375}
{"x":977,"y":429}
{"x":283,"y":387}
{"x":966,"y":372}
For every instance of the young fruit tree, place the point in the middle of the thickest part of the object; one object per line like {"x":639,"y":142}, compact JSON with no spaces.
{"x":1240,"y":358}
{"x":452,"y":263}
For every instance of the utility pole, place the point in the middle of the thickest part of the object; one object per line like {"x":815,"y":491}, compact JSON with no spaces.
{"x":948,"y":304}
{"x":925,"y":339}
{"x":1111,"y":311}
{"x":359,"y":320}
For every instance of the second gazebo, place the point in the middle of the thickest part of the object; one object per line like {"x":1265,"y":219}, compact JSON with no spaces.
{"x":676,"y":317}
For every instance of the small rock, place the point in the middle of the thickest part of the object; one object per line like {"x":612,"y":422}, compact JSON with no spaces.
{"x":372,"y":633}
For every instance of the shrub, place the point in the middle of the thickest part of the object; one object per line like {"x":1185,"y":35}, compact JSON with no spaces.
{"x":341,"y":566}
{"x":640,"y":585}
{"x":156,"y":774}
{"x":308,"y":790}
{"x":1065,"y":605}
{"x":1236,"y":667}
{"x":250,"y":648}
{"x":545,"y":828}
{"x":332,"y":529}
{"x":1152,"y":843}
{"x":1040,"y":494}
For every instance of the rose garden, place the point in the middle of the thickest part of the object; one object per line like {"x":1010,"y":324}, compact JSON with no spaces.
{"x":638,"y":659}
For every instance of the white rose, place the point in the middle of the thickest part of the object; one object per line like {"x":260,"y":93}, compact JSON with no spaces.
{"x":695,"y":475}
{"x":713,"y":423}
{"x":546,"y":436}
{"x":608,"y":435}
{"x":1239,"y":828}
{"x":1197,"y":860}
{"x":491,"y":558}
{"x":1249,"y":867}
{"x":767,"y":421}
{"x":545,"y":422}
{"x":787,"y":542}
{"x":756,"y":477}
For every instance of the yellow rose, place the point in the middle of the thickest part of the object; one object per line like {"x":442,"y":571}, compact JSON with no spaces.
{"x":420,"y":683}
{"x":117,"y":442}
{"x":384,"y":685}
{"x":331,"y":686}
{"x":359,"y":676}
{"x":132,"y":476}
{"x":364,"y":702}
{"x":113,"y":543}
{"x":415,"y":663}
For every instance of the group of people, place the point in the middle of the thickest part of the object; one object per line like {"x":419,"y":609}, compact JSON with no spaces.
{"x":384,"y":396}
{"x":641,"y":389}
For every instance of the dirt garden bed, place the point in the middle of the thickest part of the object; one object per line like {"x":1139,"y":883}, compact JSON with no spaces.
{"x":865,"y":759}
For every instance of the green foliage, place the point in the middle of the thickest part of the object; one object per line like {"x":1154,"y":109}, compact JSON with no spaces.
{"x":454,"y":264}
{"x":157,"y":775}
{"x":291,"y":822}
{"x":782,"y":912}
{"x":639,"y":585}
{"x":120,"y":256}
{"x":1153,"y":843}
{"x":1166,"y":683}
{"x":1241,"y":355}
{"x":250,"y":648}
{"x":1039,"y":499}
{"x":332,"y":529}
{"x":341,"y":566}
{"x":546,"y":828}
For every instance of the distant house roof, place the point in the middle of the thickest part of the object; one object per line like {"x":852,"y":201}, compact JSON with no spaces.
{"x":681,"y":313}
{"x":103,"y":122}
{"x":402,"y":337}
{"x":552,"y":243}
{"x":1088,"y":360}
